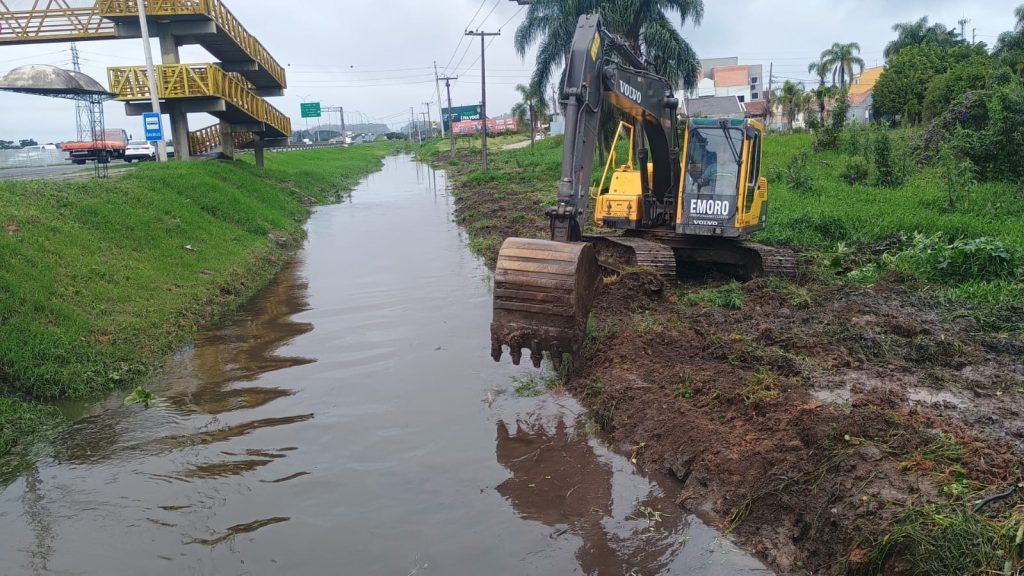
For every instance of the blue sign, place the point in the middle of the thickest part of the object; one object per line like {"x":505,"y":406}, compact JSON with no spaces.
{"x":153,"y":126}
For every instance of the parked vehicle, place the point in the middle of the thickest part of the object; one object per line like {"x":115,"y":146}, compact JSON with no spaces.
{"x":139,"y":150}
{"x":111,"y":147}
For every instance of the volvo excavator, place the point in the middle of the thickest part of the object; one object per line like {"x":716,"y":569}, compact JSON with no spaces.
{"x":674,"y":196}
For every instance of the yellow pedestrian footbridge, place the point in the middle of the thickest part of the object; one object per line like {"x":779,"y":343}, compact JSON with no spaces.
{"x":231,"y":90}
{"x":217,"y":31}
{"x":203,"y":88}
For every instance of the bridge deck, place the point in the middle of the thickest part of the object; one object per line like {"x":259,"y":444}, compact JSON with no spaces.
{"x":201,"y":82}
{"x":78,"y":20}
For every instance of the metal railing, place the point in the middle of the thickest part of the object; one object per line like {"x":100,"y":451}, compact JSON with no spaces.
{"x":214,"y":10}
{"x":59,"y":21}
{"x":206,"y":140}
{"x":175,"y":81}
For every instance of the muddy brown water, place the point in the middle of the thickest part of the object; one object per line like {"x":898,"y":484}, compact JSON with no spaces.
{"x":350,"y":421}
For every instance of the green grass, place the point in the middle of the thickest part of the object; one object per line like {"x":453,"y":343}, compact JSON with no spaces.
{"x":729,"y":296}
{"x":948,"y":541}
{"x":834,"y":211}
{"x":102,"y":279}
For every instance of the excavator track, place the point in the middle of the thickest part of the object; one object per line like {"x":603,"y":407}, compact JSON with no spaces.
{"x":779,"y":262}
{"x":621,"y":252}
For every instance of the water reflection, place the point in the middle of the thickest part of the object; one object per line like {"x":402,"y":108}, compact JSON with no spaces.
{"x":206,"y":380}
{"x":558,"y":479}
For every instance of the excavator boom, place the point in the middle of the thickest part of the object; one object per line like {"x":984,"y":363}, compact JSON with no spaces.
{"x":673,"y":212}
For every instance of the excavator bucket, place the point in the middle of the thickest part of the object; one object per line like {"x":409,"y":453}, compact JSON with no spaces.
{"x":543,"y":291}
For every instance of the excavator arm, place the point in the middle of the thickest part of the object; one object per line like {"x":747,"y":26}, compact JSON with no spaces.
{"x":594,"y":78}
{"x":544,"y":289}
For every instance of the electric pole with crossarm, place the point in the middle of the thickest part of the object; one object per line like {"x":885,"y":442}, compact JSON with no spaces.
{"x":483,"y":94}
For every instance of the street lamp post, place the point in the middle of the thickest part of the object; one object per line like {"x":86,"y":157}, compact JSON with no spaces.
{"x":154,"y":89}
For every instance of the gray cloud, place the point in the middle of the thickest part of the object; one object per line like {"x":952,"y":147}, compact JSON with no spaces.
{"x":376,"y":58}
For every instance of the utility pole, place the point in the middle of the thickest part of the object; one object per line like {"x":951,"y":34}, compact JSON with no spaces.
{"x":154,"y":88}
{"x":768,"y":97}
{"x":451,"y":129}
{"x":440,"y":113}
{"x":974,"y":35}
{"x":412,"y":116}
{"x":483,"y":93}
{"x":430,"y":121}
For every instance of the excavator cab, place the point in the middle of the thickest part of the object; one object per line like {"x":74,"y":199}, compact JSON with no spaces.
{"x":723,"y":192}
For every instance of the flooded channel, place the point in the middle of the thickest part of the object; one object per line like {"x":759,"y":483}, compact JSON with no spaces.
{"x":350,"y":421}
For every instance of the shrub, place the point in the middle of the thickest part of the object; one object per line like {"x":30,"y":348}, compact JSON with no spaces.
{"x":966,"y":260}
{"x":888,"y":171}
{"x":799,"y":174}
{"x":856,"y":171}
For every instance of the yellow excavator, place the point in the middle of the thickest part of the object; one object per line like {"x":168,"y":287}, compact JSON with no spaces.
{"x":685,"y":196}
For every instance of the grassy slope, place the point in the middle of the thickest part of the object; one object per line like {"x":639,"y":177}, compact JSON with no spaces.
{"x":101,"y":279}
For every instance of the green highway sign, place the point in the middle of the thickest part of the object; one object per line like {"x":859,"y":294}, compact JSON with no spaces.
{"x":310,"y":109}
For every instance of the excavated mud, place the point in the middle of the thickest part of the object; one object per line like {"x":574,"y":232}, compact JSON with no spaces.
{"x":807,"y":420}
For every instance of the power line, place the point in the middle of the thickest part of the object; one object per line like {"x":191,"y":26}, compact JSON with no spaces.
{"x":463,"y":38}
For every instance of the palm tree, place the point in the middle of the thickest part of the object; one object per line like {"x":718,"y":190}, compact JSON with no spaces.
{"x":647,"y":27}
{"x":644,"y":24}
{"x":533,"y":104}
{"x":822,"y":92}
{"x":1010,"y":46}
{"x":841,"y":58}
{"x":793,"y":99}
{"x":920,"y":32}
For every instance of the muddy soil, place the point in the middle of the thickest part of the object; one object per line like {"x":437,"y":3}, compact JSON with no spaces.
{"x":805,"y":421}
{"x":808,"y":419}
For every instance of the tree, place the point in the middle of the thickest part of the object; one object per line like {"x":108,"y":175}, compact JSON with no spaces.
{"x":793,"y":99}
{"x":1010,"y":45}
{"x":841,"y":58}
{"x":27,"y":142}
{"x":532,"y":104}
{"x":968,"y":69}
{"x":820,"y":69}
{"x":901,"y":89}
{"x":919,"y":33}
{"x":644,"y":24}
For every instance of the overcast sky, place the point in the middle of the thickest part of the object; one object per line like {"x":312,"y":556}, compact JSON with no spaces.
{"x":376,"y":58}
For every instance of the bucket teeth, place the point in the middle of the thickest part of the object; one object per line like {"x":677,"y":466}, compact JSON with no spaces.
{"x":536,"y":354}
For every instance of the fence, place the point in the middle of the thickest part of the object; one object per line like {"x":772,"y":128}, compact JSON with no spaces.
{"x":31,"y":158}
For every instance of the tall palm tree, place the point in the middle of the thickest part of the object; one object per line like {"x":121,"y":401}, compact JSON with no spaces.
{"x":822,"y":92}
{"x":793,"y":99}
{"x":1010,"y":46}
{"x":645,"y":24}
{"x":532,"y":104}
{"x":920,"y":32}
{"x":841,"y":58}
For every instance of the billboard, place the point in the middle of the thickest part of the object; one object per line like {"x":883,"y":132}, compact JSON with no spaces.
{"x":461,"y":113}
{"x":494,"y":126}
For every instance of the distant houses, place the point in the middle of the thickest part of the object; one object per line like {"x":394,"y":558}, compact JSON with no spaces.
{"x":727,"y":89}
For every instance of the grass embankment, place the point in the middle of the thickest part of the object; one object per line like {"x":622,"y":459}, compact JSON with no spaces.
{"x":915,"y":287}
{"x":102,"y":279}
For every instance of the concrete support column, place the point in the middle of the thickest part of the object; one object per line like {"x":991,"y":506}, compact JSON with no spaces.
{"x":179,"y":119}
{"x":258,"y":147}
{"x":179,"y":131}
{"x":227,"y":141}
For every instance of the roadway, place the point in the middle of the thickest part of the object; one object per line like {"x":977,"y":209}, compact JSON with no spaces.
{"x":63,"y":172}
